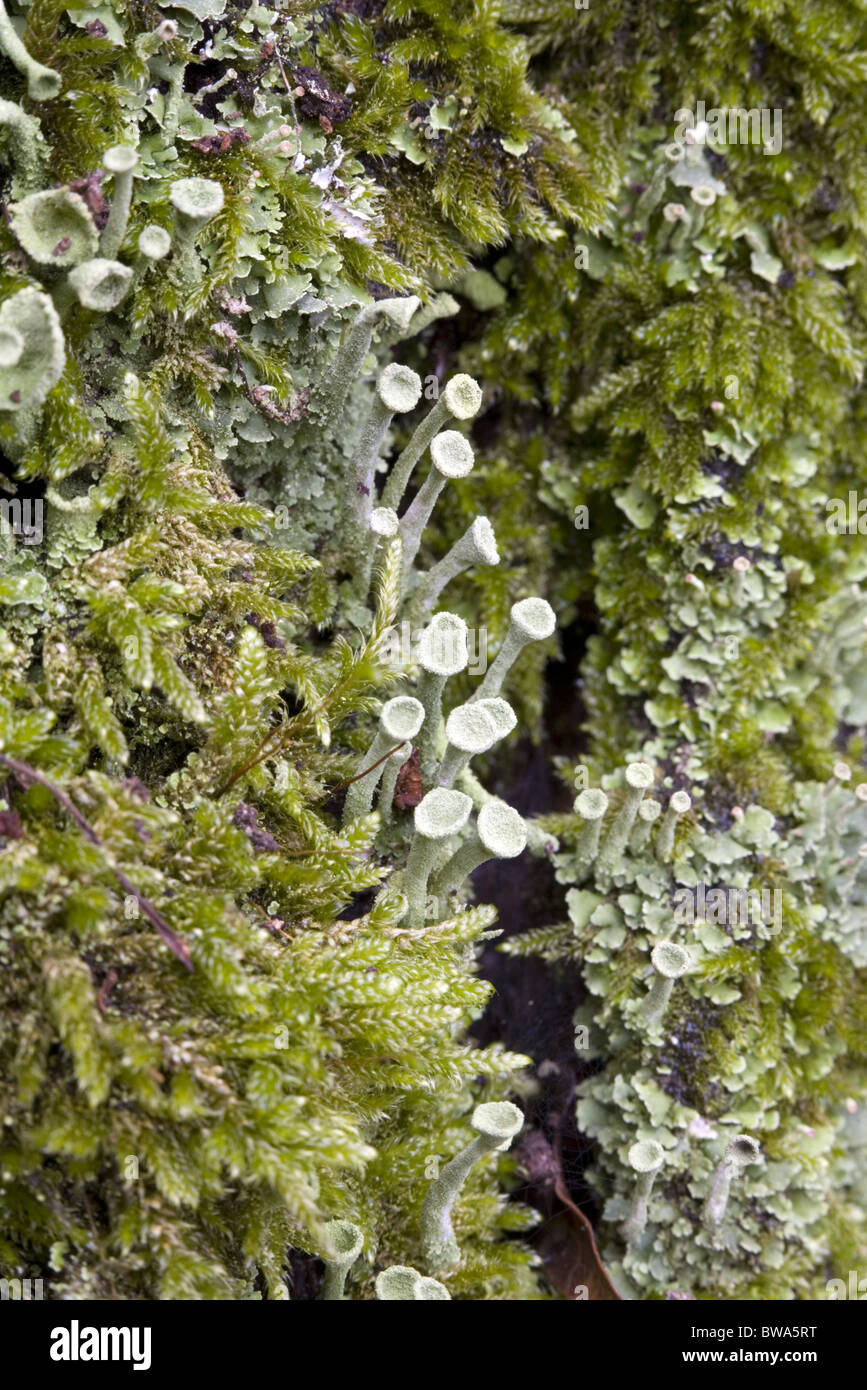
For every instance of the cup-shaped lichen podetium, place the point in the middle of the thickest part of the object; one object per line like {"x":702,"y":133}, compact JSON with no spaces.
{"x":443,"y":652}
{"x":11,"y":346}
{"x":438,"y":816}
{"x":26,"y":149}
{"x":590,"y":805}
{"x":678,"y":806}
{"x":646,"y":1157}
{"x":403,"y":1283}
{"x":333,"y":390}
{"x":477,"y":546}
{"x":397,"y":392}
{"x":119,"y":160}
{"x":496,"y":1125}
{"x":382,"y":526}
{"x":196,"y":203}
{"x":740,"y":1153}
{"x":460,"y":400}
{"x":670,"y":962}
{"x":43,"y":84}
{"x":397,"y":1284}
{"x":530,"y":620}
{"x":154,"y":242}
{"x":100,"y":284}
{"x":500,"y":834}
{"x":471,"y":729}
{"x":453,"y":457}
{"x":399,"y":721}
{"x":33,"y":354}
{"x":429,"y":1290}
{"x":55,"y":228}
{"x":345,"y":1242}
{"x":639,"y":776}
{"x":648,"y":814}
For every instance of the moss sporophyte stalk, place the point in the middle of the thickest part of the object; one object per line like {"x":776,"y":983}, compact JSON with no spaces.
{"x":319,"y":326}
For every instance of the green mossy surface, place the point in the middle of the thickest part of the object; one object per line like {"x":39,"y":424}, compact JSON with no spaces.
{"x":187,"y":658}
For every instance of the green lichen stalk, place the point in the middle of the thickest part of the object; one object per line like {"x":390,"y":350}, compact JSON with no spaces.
{"x":496,"y":1125}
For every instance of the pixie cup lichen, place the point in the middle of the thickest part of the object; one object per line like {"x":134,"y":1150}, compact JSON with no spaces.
{"x":531,"y":620}
{"x":25,"y":146}
{"x":443,"y":652}
{"x":43,"y":84}
{"x":501,"y":833}
{"x":345,"y":1243}
{"x":461,"y":399}
{"x":646,"y":1157}
{"x":100,"y":284}
{"x":154,"y":242}
{"x":477,"y":546}
{"x":678,"y":806}
{"x":452,"y":457}
{"x":639,"y":777}
{"x":471,"y":729}
{"x":397,"y":392}
{"x":591,"y":805}
{"x":496,"y":1125}
{"x":391,"y":770}
{"x":648,"y":814}
{"x":670,"y":962}
{"x":34,"y":355}
{"x":333,"y":392}
{"x":196,"y":202}
{"x":120,"y":161}
{"x":439,"y":815}
{"x":397,"y":1284}
{"x":741,"y":1152}
{"x":55,"y":228}
{"x":400,"y":720}
{"x":430,"y":1290}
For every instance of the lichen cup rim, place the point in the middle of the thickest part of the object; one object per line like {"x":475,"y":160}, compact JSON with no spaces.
{"x":442,"y":812}
{"x":502,"y":829}
{"x":497,"y":1119}
{"x":452,"y":454}
{"x":534,"y":618}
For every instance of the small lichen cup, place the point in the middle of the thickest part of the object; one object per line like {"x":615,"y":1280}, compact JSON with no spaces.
{"x":496,"y":1124}
{"x":345,"y":1242}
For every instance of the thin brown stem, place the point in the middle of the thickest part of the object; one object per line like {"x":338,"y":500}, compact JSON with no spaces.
{"x":358,"y":776}
{"x":27,"y":774}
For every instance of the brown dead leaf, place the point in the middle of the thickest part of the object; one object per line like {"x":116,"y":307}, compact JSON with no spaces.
{"x":408,"y":789}
{"x":565,"y":1239}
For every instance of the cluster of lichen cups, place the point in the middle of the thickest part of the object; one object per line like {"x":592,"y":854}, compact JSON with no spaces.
{"x":496,"y":1124}
{"x":78,"y":263}
{"x":441,"y":855}
{"x":438,"y":860}
{"x":632,"y":830}
{"x":56,"y":230}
